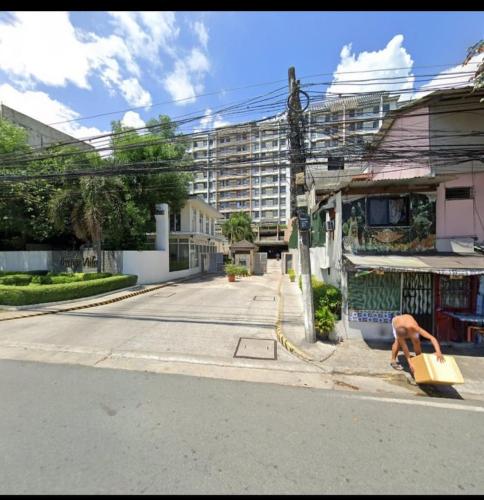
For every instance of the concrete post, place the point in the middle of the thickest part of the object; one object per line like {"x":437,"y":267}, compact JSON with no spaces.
{"x":162,"y":216}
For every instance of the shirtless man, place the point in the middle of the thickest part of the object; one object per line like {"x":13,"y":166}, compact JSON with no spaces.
{"x":406,"y":328}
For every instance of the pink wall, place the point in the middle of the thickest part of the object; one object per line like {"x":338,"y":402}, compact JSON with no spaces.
{"x":407,"y":133}
{"x":461,"y":217}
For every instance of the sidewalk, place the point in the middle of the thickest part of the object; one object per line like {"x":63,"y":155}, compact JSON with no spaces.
{"x":357,"y":357}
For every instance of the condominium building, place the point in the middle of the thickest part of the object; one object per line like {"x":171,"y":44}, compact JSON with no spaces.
{"x":245,"y":167}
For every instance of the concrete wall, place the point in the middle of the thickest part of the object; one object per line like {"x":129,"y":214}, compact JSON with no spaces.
{"x":26,"y":261}
{"x":408,"y":131}
{"x":452,"y":129}
{"x":151,"y":266}
{"x":460,"y":219}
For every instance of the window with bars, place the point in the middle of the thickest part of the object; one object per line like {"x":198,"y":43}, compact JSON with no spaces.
{"x":455,"y":291}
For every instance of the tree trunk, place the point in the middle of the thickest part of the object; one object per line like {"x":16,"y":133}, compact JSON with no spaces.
{"x":99,"y":253}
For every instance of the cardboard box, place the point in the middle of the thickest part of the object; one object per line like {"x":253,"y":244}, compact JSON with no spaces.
{"x":428,"y":370}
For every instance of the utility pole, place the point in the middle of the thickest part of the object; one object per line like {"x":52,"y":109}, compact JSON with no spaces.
{"x":297,"y":161}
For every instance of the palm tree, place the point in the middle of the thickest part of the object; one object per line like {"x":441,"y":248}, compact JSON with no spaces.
{"x":85,"y":208}
{"x":238,"y":227}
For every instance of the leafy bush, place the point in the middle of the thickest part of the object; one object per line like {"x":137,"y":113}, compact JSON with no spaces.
{"x":63,"y":278}
{"x":332,"y":299}
{"x":41,"y":280}
{"x":94,"y":276}
{"x":292,"y":274}
{"x":235,"y":270}
{"x":324,"y":321}
{"x":38,"y":294}
{"x":325,"y":295}
{"x":16,"y":280}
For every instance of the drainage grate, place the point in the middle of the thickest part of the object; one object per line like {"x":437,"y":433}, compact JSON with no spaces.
{"x":164,"y":295}
{"x":256,"y":349}
{"x":265,"y":298}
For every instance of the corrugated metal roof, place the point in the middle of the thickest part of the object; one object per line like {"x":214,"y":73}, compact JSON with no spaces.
{"x":456,"y":264}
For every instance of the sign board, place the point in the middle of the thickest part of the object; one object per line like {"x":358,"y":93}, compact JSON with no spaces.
{"x":304,"y":222}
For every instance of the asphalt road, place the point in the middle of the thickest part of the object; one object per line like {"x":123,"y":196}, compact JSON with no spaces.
{"x":203,"y":318}
{"x":77,"y":429}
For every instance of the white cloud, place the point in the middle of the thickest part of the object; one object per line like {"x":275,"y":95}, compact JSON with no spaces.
{"x":185,"y":81}
{"x":455,"y":77}
{"x":201,"y":31}
{"x":197,"y":61}
{"x":179,"y":84}
{"x":40,"y":106}
{"x":363,"y":65}
{"x":132,"y":119}
{"x":45,"y":47}
{"x":210,"y":121}
{"x":134,"y":93}
{"x":147,"y":32}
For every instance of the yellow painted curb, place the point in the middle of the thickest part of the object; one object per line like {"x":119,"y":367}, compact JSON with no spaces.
{"x":95,"y":304}
{"x":284,"y":341}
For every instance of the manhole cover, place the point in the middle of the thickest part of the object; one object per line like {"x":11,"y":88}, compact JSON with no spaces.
{"x":164,"y":295}
{"x":265,"y":298}
{"x":256,"y":349}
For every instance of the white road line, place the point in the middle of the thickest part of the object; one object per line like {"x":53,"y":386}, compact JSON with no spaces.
{"x":448,"y":406}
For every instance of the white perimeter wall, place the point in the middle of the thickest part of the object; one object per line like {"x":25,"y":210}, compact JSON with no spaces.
{"x":152,"y":266}
{"x":38,"y":260}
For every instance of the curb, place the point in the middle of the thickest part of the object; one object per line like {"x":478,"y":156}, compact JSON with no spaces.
{"x":95,"y":304}
{"x":283,"y":340}
{"x":289,"y":346}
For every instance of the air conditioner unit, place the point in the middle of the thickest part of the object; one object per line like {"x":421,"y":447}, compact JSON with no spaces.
{"x":329,"y":225}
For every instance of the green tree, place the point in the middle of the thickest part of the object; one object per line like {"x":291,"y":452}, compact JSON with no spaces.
{"x":238,"y":227}
{"x":86,"y":207}
{"x":158,"y":146}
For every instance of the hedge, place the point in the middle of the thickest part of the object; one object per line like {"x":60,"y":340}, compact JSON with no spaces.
{"x":38,"y":294}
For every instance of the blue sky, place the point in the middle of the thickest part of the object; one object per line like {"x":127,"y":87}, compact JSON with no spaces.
{"x":61,"y":66}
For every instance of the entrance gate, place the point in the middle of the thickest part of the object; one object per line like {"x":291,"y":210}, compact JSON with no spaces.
{"x":417,"y":298}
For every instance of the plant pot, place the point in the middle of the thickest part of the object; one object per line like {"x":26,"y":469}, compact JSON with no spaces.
{"x":231,"y":277}
{"x":293,"y":279}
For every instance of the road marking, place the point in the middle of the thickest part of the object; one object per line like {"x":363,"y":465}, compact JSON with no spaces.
{"x":448,"y":406}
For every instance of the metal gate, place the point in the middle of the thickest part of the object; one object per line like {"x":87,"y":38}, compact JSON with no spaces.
{"x":417,"y":298}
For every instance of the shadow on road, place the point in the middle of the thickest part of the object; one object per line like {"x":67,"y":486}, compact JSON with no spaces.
{"x":239,"y":323}
{"x":451,"y":348}
{"x":432,"y":390}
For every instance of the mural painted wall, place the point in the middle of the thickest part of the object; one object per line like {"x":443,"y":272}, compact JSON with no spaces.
{"x":389,"y":223}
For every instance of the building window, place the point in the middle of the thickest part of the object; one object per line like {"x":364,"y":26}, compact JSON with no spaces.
{"x":388,"y":211}
{"x":195,"y":144}
{"x":256,"y":214}
{"x":175,"y":219}
{"x":455,"y":292}
{"x":336,"y":163}
{"x":458,"y":193}
{"x":376,"y":109}
{"x":178,"y":255}
{"x":274,"y":144}
{"x":386,"y":108}
{"x":194,"y":220}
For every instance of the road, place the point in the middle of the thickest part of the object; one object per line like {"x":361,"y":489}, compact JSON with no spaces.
{"x":201,"y":319}
{"x":77,"y":429}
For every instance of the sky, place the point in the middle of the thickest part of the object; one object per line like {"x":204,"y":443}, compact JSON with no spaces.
{"x":64,"y":68}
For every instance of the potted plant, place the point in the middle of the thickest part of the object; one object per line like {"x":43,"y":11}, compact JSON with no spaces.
{"x":292,"y":275}
{"x":231,"y":271}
